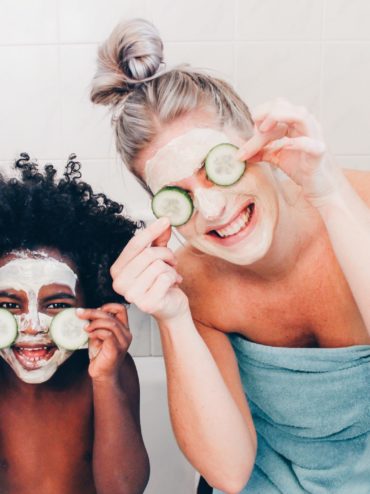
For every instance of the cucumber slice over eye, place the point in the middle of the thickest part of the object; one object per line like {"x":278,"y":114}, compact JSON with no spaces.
{"x":222,"y":167}
{"x":8,"y":328}
{"x":67,"y":330}
{"x":173,"y":202}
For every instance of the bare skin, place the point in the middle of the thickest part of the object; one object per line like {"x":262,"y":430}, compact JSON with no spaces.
{"x":78,"y":432}
{"x":310,"y":306}
{"x":294,"y":272}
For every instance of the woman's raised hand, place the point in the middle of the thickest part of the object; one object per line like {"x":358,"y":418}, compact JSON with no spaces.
{"x":145,"y":273}
{"x":290,"y":138}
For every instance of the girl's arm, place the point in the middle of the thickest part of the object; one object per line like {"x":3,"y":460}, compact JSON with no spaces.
{"x":120,"y":461}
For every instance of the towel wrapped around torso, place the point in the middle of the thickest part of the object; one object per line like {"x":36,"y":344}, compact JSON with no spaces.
{"x":311,"y":409}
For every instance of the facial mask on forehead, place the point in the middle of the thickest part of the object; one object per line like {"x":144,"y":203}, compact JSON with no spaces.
{"x":30,"y":274}
{"x":181,"y":157}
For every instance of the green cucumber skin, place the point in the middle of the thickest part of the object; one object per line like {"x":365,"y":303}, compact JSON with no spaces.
{"x":209,"y":155}
{"x":180,"y":191}
{"x":8,"y":313}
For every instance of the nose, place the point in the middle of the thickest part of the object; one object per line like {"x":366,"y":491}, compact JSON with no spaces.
{"x":210,"y":202}
{"x":31,"y":325}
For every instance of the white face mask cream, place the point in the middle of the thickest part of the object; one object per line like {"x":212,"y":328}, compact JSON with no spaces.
{"x":34,"y":357}
{"x":181,"y":157}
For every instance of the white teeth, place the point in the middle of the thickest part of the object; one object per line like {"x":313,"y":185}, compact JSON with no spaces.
{"x":236,"y":225}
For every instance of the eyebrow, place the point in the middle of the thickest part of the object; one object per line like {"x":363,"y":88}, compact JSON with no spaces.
{"x":59,"y":295}
{"x":6,"y":294}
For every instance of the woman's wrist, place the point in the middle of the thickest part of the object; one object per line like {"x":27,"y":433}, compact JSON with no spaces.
{"x":330,"y":185}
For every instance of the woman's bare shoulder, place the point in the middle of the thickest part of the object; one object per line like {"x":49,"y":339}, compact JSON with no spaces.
{"x":360,"y":180}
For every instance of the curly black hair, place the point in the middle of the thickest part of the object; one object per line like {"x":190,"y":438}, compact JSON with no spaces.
{"x":38,"y":210}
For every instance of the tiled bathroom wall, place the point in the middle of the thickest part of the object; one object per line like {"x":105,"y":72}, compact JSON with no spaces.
{"x":314,"y":52}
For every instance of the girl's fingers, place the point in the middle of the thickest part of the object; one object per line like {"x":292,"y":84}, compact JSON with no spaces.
{"x":100,"y":338}
{"x":117,"y":310}
{"x":110,"y":326}
{"x":139,"y":242}
{"x":91,"y":314}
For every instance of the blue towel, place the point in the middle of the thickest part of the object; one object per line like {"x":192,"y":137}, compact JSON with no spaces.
{"x":311,"y":409}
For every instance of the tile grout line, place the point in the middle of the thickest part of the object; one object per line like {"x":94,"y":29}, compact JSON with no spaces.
{"x":322,"y":62}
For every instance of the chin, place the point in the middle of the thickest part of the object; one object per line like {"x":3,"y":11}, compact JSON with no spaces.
{"x":37,"y":375}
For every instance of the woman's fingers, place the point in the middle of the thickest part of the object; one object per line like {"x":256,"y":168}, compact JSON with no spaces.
{"x":298,"y":119}
{"x":136,"y":292}
{"x":259,"y":140}
{"x":139,"y":242}
{"x":139,"y":264}
{"x":156,"y":293}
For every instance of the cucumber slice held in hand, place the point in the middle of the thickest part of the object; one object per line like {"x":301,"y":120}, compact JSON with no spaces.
{"x":222,"y":167}
{"x":8,"y":328}
{"x":67,"y":330}
{"x":174,"y":203}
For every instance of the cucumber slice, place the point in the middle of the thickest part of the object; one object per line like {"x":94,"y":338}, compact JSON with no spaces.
{"x":8,"y":328}
{"x":67,"y":330}
{"x":222,"y":167}
{"x":173,"y":202}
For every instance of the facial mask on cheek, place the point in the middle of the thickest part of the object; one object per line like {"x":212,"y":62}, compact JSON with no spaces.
{"x":210,"y":202}
{"x":29,"y":275}
{"x":181,"y":157}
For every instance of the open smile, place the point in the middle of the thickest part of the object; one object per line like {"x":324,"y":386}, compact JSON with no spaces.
{"x":32,"y":357}
{"x":236,"y":229}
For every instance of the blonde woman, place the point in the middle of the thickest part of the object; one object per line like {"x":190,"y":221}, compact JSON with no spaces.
{"x":269,"y":298}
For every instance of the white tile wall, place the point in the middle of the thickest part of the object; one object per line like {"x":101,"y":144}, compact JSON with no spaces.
{"x":26,"y":23}
{"x":194,"y":20}
{"x":283,"y":20}
{"x":315,"y":52}
{"x":86,"y":21}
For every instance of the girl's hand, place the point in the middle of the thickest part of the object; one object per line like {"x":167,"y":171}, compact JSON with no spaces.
{"x":109,"y":339}
{"x":290,"y":138}
{"x":145,"y":273}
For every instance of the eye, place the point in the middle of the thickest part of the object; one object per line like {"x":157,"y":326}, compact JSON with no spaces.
{"x":59,"y":305}
{"x":9,"y":305}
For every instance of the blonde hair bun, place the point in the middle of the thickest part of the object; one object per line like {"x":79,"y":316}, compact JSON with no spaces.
{"x":132,"y":54}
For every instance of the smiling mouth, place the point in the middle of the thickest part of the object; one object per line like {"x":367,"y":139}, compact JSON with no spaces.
{"x":32,"y":357}
{"x":239,"y":224}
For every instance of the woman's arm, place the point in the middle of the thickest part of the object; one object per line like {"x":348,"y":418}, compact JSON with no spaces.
{"x":213,"y":428}
{"x":290,"y":138}
{"x":209,"y":413}
{"x":347,"y":219}
{"x":120,"y":461}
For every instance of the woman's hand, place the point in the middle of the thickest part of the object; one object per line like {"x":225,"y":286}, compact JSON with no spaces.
{"x":109,"y":339}
{"x":290,"y":138}
{"x":145,"y":273}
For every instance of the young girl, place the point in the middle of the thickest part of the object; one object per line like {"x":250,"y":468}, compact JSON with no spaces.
{"x":276,"y":273}
{"x":69,"y":421}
